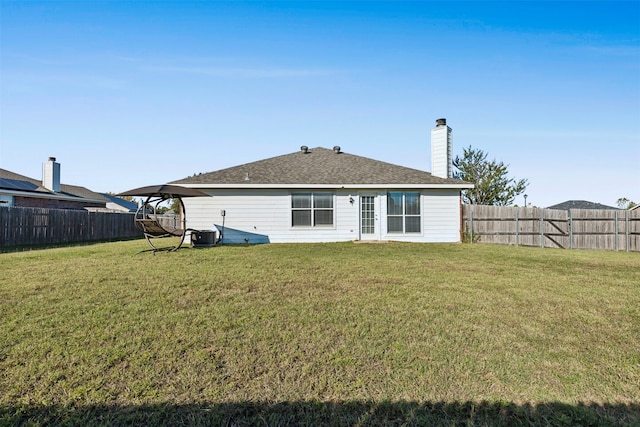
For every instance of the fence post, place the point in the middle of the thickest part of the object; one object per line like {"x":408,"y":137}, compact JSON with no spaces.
{"x":616,"y":231}
{"x":517,"y":235}
{"x":90,"y":235}
{"x":471,"y":220}
{"x":626,"y":228}
{"x":542,"y":228}
{"x":570,"y":230}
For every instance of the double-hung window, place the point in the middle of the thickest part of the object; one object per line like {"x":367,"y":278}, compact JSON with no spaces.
{"x":403,"y":212}
{"x":311,"y":209}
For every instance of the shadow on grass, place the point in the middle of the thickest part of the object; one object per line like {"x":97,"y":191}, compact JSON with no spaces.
{"x":314,"y":413}
{"x":39,"y":247}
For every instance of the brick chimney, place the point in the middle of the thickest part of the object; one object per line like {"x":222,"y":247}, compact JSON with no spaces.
{"x":441,"y":150}
{"x":51,"y":175}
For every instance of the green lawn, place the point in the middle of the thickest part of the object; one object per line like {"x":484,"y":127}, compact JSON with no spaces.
{"x":307,"y":334}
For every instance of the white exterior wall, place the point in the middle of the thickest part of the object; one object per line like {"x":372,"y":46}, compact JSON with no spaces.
{"x":264,"y":216}
{"x":440,"y":218}
{"x":441,"y":215}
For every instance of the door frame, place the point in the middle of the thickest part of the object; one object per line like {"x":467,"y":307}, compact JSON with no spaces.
{"x":376,"y":216}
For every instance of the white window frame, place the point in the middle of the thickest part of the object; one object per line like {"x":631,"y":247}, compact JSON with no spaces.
{"x":312,"y":209}
{"x":404,"y":215}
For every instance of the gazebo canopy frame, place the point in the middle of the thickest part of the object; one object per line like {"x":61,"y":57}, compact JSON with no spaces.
{"x":148,"y":221}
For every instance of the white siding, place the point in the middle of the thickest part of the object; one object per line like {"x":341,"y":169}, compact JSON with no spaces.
{"x":265,"y":216}
{"x":442,"y":152}
{"x":441,"y":220}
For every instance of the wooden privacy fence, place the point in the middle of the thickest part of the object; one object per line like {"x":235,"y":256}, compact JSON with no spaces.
{"x":38,"y":226}
{"x":617,"y":230}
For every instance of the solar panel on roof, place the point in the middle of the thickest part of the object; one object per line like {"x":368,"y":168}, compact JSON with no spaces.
{"x":15,"y":184}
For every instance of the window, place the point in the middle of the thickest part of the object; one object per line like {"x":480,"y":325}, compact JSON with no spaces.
{"x":403,"y":212}
{"x":311,"y":209}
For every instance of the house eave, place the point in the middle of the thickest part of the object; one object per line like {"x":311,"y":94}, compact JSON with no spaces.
{"x":460,"y":186}
{"x":55,"y":196}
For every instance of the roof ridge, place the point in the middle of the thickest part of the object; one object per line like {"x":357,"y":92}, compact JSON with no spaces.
{"x":318,"y":166}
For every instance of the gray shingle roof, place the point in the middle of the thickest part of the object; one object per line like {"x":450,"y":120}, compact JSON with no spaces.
{"x":579,"y":204}
{"x":316,"y":167}
{"x":132,"y":206}
{"x":11,"y":181}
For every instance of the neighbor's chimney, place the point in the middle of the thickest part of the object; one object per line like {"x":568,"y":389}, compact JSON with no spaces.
{"x":441,"y":150}
{"x":51,"y":175}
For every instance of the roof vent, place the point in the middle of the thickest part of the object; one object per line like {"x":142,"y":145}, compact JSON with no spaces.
{"x":441,"y":122}
{"x":304,"y":149}
{"x":336,"y":149}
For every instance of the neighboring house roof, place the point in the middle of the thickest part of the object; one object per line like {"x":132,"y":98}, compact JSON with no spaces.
{"x":316,"y":167}
{"x":11,"y":182}
{"x":636,"y":207}
{"x":124,"y":204}
{"x":579,"y":204}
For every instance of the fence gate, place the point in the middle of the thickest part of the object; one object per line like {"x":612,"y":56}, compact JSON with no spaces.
{"x":551,"y":228}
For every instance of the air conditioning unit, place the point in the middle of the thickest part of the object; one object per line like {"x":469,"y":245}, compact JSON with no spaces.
{"x":203,"y":238}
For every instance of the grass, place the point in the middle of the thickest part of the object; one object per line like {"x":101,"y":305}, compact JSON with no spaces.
{"x":307,"y":334}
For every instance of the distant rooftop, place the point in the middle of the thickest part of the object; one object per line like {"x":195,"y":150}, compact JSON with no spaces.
{"x":579,"y":204}
{"x":131,"y":206}
{"x":12,"y":181}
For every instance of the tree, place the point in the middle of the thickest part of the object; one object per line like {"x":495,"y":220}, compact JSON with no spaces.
{"x":492,"y":184}
{"x":624,"y":203}
{"x":175,"y":206}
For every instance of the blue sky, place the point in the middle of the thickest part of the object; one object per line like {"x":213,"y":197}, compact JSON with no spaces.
{"x":126,"y":94}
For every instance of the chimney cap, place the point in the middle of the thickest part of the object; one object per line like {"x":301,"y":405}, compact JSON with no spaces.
{"x":441,"y":122}
{"x":52,"y":159}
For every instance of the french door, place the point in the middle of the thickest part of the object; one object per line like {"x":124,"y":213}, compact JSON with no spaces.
{"x":369,"y":208}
